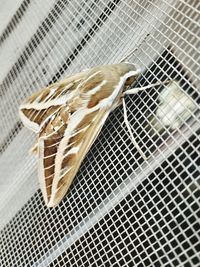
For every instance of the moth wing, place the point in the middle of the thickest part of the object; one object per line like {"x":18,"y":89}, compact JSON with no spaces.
{"x":61,"y":157}
{"x":41,"y":105}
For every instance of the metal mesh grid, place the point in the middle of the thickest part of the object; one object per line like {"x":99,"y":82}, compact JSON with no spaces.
{"x":121,"y":210}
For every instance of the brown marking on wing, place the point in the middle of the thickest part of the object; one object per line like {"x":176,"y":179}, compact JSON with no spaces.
{"x":48,"y":171}
{"x":87,"y":120}
{"x":45,"y":95}
{"x":48,"y":189}
{"x":93,"y":102}
{"x":70,"y":164}
{"x":69,"y":146}
{"x":65,"y":89}
{"x":91,"y":82}
{"x":49,"y":183}
{"x":38,"y":116}
{"x":50,"y":150}
{"x":71,"y":161}
{"x":63,"y":86}
{"x":81,"y":128}
{"x":50,"y":146}
{"x":61,"y":182}
{"x":77,"y":138}
{"x":68,"y":161}
{"x":41,"y":94}
{"x":105,"y":91}
{"x":56,"y":126}
{"x":54,"y":131}
{"x":49,"y":161}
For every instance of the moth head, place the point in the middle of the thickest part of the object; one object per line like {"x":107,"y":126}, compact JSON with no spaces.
{"x":129,"y":72}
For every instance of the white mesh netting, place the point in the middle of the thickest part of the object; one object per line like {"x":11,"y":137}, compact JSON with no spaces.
{"x":120,"y":210}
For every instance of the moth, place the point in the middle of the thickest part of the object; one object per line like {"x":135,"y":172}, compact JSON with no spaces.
{"x":68,"y":116}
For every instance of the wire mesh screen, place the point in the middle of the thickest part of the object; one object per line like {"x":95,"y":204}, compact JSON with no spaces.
{"x":121,"y":210}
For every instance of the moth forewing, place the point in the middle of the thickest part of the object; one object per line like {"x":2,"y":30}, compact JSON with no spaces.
{"x":76,"y":154}
{"x":65,"y":138}
{"x":93,"y":126}
{"x":42,"y":105}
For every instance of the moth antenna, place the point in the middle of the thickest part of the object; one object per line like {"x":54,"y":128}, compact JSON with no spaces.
{"x":135,"y":49}
{"x":130,"y":131}
{"x":135,"y":90}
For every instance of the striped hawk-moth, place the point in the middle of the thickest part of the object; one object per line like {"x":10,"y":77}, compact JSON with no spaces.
{"x":67,"y":117}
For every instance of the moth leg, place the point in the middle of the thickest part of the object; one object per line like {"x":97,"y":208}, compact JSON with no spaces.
{"x":135,"y":90}
{"x":130,"y":132}
{"x":34,"y":150}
